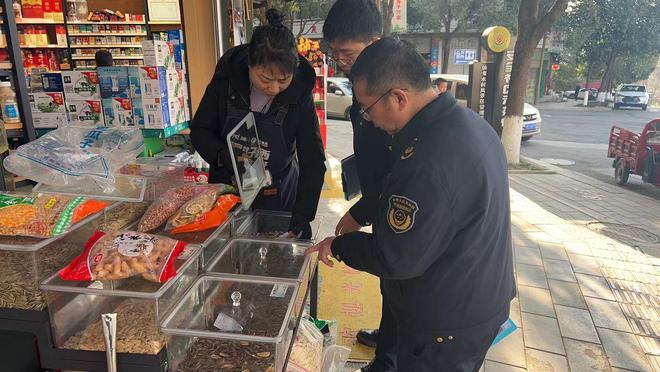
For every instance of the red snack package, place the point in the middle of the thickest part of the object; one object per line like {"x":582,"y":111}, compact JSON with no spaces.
{"x":124,"y":254}
{"x":213,"y":218}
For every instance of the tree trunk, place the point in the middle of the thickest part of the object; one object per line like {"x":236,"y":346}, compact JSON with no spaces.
{"x":513,"y":120}
{"x":446,"y":49}
{"x":532,"y":25}
{"x":387,"y":10}
{"x":605,"y":89}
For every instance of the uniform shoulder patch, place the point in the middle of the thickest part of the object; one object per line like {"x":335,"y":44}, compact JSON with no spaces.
{"x":401,"y":213}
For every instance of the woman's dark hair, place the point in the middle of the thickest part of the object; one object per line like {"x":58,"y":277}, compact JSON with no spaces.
{"x":273,"y":44}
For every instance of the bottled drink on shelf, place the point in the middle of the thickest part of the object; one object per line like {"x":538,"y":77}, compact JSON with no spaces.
{"x":10,"y":113}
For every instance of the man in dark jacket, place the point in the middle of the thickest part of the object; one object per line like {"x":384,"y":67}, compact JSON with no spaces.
{"x":291,"y":113}
{"x":351,"y":25}
{"x":441,"y":243}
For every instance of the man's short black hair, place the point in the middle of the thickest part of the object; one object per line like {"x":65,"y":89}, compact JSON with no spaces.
{"x":103,"y":58}
{"x":439,"y":80}
{"x":352,"y":20}
{"x":391,"y":63}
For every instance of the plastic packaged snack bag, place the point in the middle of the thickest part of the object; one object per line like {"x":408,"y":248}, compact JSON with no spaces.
{"x":124,"y":254}
{"x":307,"y":351}
{"x":43,"y":215}
{"x":213,"y":218}
{"x":197,"y":206}
{"x":72,"y":155}
{"x":166,"y":205}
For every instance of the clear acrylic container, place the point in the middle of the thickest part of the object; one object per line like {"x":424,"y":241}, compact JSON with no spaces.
{"x":211,"y":241}
{"x":229,"y":323}
{"x":271,"y":259}
{"x":75,"y":308}
{"x":264,"y":224}
{"x":25,"y":262}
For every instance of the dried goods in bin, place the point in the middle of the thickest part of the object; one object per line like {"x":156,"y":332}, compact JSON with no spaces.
{"x":234,"y":356}
{"x":136,"y":332}
{"x":43,"y":215}
{"x":115,"y":256}
{"x":197,"y":206}
{"x":122,"y":216}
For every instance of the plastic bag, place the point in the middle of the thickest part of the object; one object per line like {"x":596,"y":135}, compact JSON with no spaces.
{"x":166,"y":205}
{"x":307,"y":349}
{"x":125,"y":254}
{"x":71,"y":156}
{"x":43,"y":215}
{"x":197,"y":206}
{"x":213,"y":218}
{"x":335,"y":358}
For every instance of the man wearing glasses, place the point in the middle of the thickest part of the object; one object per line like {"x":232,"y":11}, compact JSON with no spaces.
{"x":441,"y":242}
{"x":350,"y":27}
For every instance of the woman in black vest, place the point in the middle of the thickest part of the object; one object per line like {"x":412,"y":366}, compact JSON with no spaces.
{"x":268,"y":78}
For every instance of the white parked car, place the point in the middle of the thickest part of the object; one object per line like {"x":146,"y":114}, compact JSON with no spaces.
{"x":631,"y":95}
{"x":340,"y":98}
{"x":458,"y":86}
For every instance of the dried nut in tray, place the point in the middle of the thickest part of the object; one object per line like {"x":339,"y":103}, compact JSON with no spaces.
{"x":166,"y":206}
{"x":122,"y":215}
{"x":136,"y":332}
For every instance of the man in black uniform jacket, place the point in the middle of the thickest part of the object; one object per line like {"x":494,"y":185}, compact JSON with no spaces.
{"x":441,"y":243}
{"x":350,"y":27}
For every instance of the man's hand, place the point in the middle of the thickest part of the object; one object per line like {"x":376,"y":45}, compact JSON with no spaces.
{"x":325,"y":250}
{"x":346,"y":225}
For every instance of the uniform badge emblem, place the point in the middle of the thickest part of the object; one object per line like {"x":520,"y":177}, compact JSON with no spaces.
{"x":401,"y":214}
{"x":408,"y":152}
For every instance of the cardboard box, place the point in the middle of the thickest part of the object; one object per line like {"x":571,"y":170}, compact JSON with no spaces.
{"x":134,"y":82}
{"x":118,"y":112}
{"x":113,"y":82}
{"x":88,"y":113}
{"x":177,"y":110}
{"x":52,"y":82}
{"x":47,"y":109}
{"x":156,"y":113}
{"x":176,"y":38}
{"x":81,"y":85}
{"x":138,"y":112}
{"x":153,"y":81}
{"x":158,"y":53}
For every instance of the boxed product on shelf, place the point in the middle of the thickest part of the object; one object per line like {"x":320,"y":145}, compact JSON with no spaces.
{"x":150,"y":81}
{"x":113,"y":82}
{"x":81,"y":85}
{"x":176,"y":81}
{"x":75,"y":308}
{"x":48,"y":109}
{"x":118,"y":111}
{"x":177,"y":110}
{"x":134,"y":83}
{"x":156,"y":113}
{"x":85,"y":113}
{"x":52,"y":82}
{"x":60,"y":33}
{"x":32,"y":8}
{"x":158,"y":53}
{"x":138,"y":112}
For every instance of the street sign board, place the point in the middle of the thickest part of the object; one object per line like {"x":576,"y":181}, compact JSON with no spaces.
{"x":464,"y":56}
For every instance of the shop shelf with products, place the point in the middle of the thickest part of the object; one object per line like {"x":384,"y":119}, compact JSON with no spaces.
{"x":311,"y":50}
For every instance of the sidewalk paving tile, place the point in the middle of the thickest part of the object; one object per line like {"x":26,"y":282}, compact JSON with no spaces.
{"x":542,"y":333}
{"x":584,"y":264}
{"x":578,"y":248}
{"x":514,"y":312}
{"x":540,"y":361}
{"x":584,"y":356}
{"x":536,"y":301}
{"x":530,"y":275}
{"x":553,"y":251}
{"x":528,"y":255}
{"x":650,"y":345}
{"x":655,"y":362}
{"x":594,"y":286}
{"x":510,"y":351}
{"x":559,"y":270}
{"x":490,"y":366}
{"x":608,"y":314}
{"x":567,"y":294}
{"x":576,"y":324}
{"x":623,"y":350}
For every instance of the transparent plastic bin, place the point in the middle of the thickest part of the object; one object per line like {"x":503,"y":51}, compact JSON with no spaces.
{"x":75,"y":308}
{"x":25,"y":262}
{"x":212,"y":331}
{"x":267,"y":224}
{"x":126,"y":188}
{"x":211,"y":241}
{"x":273,"y":259}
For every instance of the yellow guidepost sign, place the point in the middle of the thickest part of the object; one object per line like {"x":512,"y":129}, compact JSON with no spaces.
{"x":496,"y":39}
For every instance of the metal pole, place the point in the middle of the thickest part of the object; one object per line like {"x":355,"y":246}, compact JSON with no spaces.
{"x":540,"y":74}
